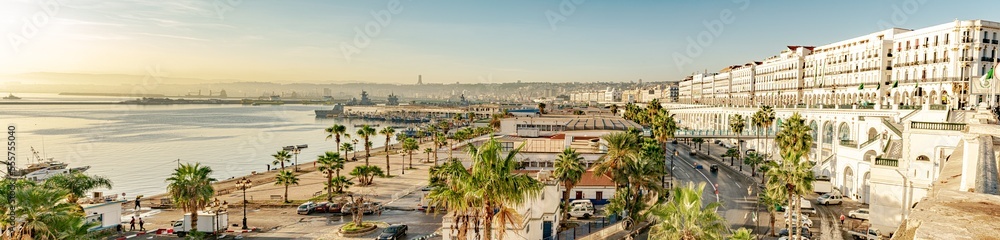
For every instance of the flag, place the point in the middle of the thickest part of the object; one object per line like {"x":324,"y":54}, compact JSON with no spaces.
{"x":895,"y":84}
{"x":985,"y":80}
{"x":862,"y":87}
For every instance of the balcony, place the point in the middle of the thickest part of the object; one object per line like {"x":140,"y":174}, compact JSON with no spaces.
{"x":886,"y":162}
{"x":986,"y":41}
{"x":938,"y":126}
{"x":986,"y":59}
{"x":848,"y":143}
{"x":966,"y":59}
{"x":966,"y":40}
{"x":995,"y":41}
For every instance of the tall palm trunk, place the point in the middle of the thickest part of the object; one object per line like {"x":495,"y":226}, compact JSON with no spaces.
{"x":772,"y":222}
{"x":339,"y":188}
{"x":436,"y":147}
{"x":569,"y":187}
{"x":488,"y":223}
{"x":286,"y":193}
{"x":411,"y":159}
{"x":329,"y":187}
{"x":194,"y":220}
{"x":367,"y":150}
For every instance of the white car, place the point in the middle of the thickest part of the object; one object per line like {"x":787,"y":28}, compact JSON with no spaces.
{"x":788,"y":238}
{"x":859,"y":214}
{"x":805,"y":220}
{"x":581,"y":212}
{"x":830,"y":198}
{"x":581,"y":202}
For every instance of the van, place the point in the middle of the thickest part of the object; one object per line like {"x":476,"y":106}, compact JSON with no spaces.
{"x":581,"y":202}
{"x":830,"y":198}
{"x":582,"y":211}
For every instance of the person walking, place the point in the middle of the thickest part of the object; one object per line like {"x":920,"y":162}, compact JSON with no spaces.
{"x":842,"y":218}
{"x":131,"y":225}
{"x":138,"y":206}
{"x":141,"y":223}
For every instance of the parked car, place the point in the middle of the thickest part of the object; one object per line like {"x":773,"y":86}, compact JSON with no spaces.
{"x":581,"y":202}
{"x":797,"y":238}
{"x":393,"y":232}
{"x":830,"y":198}
{"x":693,"y":152}
{"x":714,"y":168}
{"x":804,"y":231}
{"x":327,"y":207}
{"x":804,"y":219}
{"x":673,"y":142}
{"x":582,"y":211}
{"x":717,"y":141}
{"x":306,"y":208}
{"x":426,"y":188}
{"x":372,"y":208}
{"x":859,"y":213}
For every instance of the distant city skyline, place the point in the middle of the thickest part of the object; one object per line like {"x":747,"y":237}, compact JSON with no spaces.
{"x":444,"y":41}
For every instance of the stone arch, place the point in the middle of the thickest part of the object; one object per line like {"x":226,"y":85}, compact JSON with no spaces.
{"x":870,"y":156}
{"x":923,"y":158}
{"x":872,"y":134}
{"x":828,"y":132}
{"x":844,"y":131}
{"x":848,"y":188}
{"x":815,"y":131}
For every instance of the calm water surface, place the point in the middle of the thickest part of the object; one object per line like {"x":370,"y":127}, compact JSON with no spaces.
{"x":138,"y":146}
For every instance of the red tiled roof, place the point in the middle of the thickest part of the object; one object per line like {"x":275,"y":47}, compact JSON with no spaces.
{"x":589,"y":178}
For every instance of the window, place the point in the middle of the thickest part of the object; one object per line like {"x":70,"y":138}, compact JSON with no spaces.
{"x":923,"y":158}
{"x":600,"y":195}
{"x":579,"y":194}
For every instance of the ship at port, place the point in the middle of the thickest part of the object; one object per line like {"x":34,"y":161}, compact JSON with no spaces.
{"x":41,"y":168}
{"x":336,"y":111}
{"x":11,"y":96}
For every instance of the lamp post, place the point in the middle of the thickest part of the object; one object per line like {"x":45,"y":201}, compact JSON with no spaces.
{"x":243,"y":184}
{"x":296,"y":149}
{"x":672,"y":168}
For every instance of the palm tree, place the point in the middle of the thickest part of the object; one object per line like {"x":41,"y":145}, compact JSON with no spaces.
{"x":731,"y":153}
{"x":347,"y":148}
{"x":366,"y":132}
{"x":621,"y":146}
{"x":795,"y":173}
{"x":664,"y":127}
{"x":428,"y":152}
{"x":767,"y":118}
{"x":495,"y":121}
{"x":388,"y":132}
{"x":639,"y":178}
{"x":683,"y":217}
{"x":757,"y":122}
{"x":698,"y":141}
{"x":614,"y":109}
{"x":736,"y":124}
{"x":652,"y":109}
{"x":771,"y":198}
{"x":190,"y":187}
{"x":410,"y":145}
{"x":753,"y":159}
{"x":77,"y":184}
{"x":439,"y":142}
{"x":334,"y":132}
{"x":472,"y":195}
{"x":41,"y":213}
{"x":330,"y":163}
{"x":281,"y":157}
{"x":341,"y":183}
{"x":286,"y":178}
{"x":742,"y":234}
{"x":366,"y":174}
{"x":569,"y":170}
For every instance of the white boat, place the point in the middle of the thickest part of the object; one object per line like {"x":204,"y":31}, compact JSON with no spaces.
{"x":41,"y":169}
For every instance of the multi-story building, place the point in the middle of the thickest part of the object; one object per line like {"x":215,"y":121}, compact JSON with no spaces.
{"x":895,"y":67}
{"x":721,"y":83}
{"x":674,"y":89}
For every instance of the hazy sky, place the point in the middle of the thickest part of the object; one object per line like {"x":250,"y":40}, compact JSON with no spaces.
{"x":445,"y":41}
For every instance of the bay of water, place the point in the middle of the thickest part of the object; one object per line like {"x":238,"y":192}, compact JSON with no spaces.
{"x":137,"y":146}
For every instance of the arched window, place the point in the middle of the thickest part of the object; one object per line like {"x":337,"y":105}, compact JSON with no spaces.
{"x":923,"y":158}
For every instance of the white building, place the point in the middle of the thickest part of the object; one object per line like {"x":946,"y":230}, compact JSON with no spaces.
{"x":107,"y":214}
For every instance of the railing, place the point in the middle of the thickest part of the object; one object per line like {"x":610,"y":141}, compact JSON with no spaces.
{"x":845,"y":106}
{"x":938,"y":126}
{"x":849,"y":143}
{"x":866,"y":143}
{"x":909,"y":107}
{"x":939,"y":107}
{"x":868,"y":106}
{"x":887,"y":162}
{"x":908,"y":115}
{"x":892,"y":126}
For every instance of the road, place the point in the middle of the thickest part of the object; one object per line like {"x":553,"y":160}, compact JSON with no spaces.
{"x":737,"y":204}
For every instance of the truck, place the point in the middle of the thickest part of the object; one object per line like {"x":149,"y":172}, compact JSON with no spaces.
{"x":859,"y":228}
{"x":208,"y":222}
{"x":822,"y":185}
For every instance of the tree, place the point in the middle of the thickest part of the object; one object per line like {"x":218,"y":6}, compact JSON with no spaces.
{"x":330,"y":163}
{"x":428,"y":152}
{"x":652,"y":109}
{"x":340,"y":183}
{"x":77,"y":184}
{"x":334,"y":132}
{"x":683,"y":217}
{"x":541,"y":108}
{"x":366,"y":132}
{"x":639,"y":180}
{"x":439,"y":141}
{"x":731,"y":153}
{"x":794,"y":176}
{"x":621,"y":146}
{"x":495,"y":121}
{"x":698,"y":141}
{"x":41,"y":213}
{"x":410,"y":145}
{"x":569,"y":170}
{"x":472,"y":195}
{"x":771,"y":198}
{"x":736,"y":124}
{"x":767,"y":118}
{"x":366,"y":174}
{"x":347,"y":148}
{"x":614,"y":109}
{"x":281,"y":157}
{"x":742,"y":234}
{"x":388,"y":132}
{"x":664,"y":127}
{"x":190,"y":187}
{"x":753,"y":159}
{"x":286,"y":178}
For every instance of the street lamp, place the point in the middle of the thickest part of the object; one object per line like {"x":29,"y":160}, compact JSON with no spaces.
{"x":672,"y":168}
{"x":243,"y":184}
{"x":296,"y":149}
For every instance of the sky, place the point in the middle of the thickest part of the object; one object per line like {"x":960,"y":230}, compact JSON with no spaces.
{"x":445,"y":41}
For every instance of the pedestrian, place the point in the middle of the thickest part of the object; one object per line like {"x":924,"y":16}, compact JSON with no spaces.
{"x":141,"y":223}
{"x":131,"y":225}
{"x":118,"y":229}
{"x":138,"y":206}
{"x":268,"y":167}
{"x":842,"y":218}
